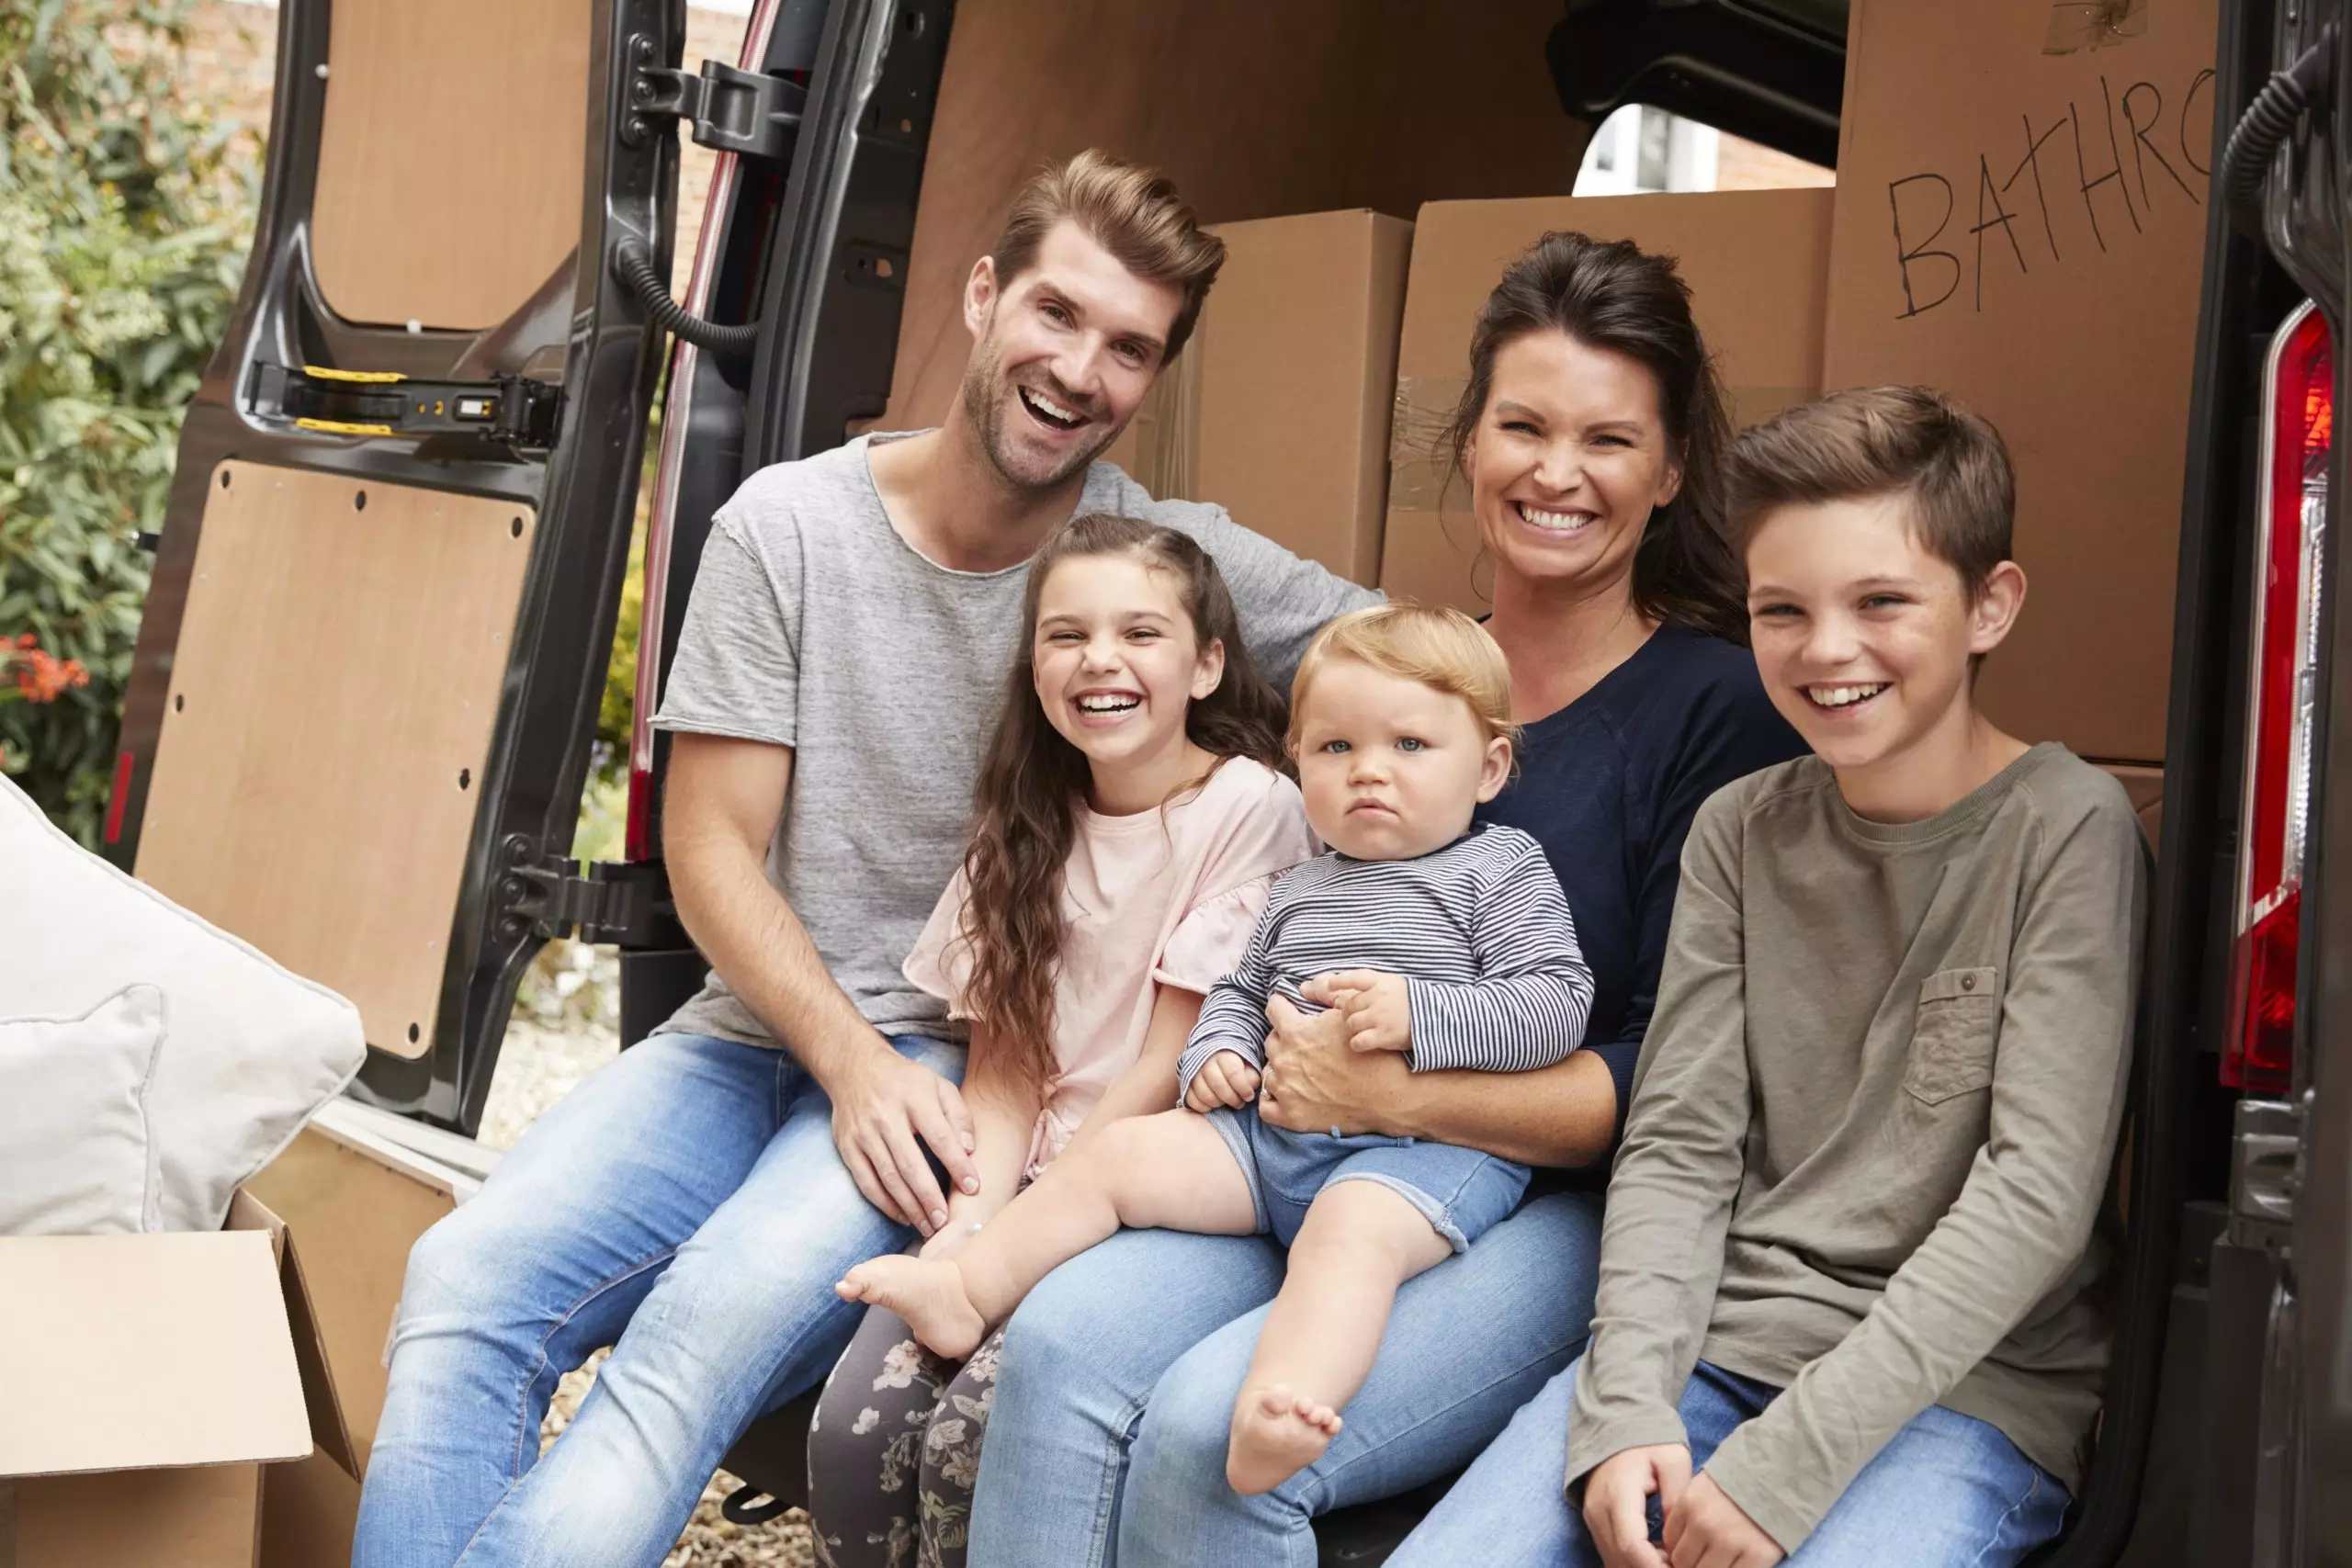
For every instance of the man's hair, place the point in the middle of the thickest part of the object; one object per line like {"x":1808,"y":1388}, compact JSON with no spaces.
{"x":1913,"y":442}
{"x":1133,"y":213}
{"x":1432,"y":646}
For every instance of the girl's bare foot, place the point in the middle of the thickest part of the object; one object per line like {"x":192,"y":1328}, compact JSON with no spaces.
{"x":929,"y":1293}
{"x":1276,"y":1433}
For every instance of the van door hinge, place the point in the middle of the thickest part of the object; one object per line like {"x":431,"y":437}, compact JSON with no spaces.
{"x":512,"y":408}
{"x":2266,"y":1170}
{"x":622,"y":902}
{"x":729,"y":109}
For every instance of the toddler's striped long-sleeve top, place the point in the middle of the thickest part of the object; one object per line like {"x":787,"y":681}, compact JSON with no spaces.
{"x":1479,"y":929}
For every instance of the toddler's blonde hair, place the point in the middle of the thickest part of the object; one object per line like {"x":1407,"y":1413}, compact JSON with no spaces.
{"x":1431,"y":644}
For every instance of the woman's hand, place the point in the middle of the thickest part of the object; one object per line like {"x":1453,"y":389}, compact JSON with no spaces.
{"x":1615,"y":1498}
{"x":1316,"y":1081}
{"x":1224,"y":1079}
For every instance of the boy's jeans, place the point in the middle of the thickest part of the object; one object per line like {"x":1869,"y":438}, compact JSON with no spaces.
{"x":1949,"y":1492}
{"x":685,"y":1204}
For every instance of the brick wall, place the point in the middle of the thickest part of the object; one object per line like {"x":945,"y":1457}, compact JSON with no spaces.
{"x":232,"y":56}
{"x":1748,"y":165}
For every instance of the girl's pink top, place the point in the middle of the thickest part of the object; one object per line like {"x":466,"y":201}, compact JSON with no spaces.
{"x":1165,"y":897}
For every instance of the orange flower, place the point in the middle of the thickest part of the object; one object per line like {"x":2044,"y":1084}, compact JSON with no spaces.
{"x":43,"y":678}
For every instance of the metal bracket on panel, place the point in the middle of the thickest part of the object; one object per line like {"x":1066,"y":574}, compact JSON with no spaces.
{"x":512,"y":408}
{"x":621,"y":902}
{"x":725,"y":107}
{"x":2266,"y":1170}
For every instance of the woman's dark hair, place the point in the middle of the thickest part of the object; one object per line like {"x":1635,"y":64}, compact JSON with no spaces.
{"x":1609,"y":295}
{"x":1032,"y":783}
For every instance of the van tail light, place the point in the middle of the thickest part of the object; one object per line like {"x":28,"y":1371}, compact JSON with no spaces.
{"x":2275,"y":814}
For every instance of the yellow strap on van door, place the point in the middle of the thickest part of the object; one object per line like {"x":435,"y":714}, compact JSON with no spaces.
{"x":322,"y":373}
{"x":340,"y":427}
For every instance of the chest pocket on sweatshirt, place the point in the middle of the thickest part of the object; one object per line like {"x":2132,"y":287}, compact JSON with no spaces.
{"x":1951,"y":1042}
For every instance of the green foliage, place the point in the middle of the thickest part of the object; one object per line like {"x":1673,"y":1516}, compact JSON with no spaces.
{"x":125,"y":206}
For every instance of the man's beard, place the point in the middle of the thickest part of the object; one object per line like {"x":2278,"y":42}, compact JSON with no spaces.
{"x":989,"y":394}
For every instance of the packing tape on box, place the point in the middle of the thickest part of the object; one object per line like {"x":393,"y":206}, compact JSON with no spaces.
{"x":2077,"y":25}
{"x":1421,"y":466}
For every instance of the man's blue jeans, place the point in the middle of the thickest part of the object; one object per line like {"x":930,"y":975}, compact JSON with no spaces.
{"x":1949,"y":1492}
{"x":1114,"y":1393}
{"x":684,"y":1205}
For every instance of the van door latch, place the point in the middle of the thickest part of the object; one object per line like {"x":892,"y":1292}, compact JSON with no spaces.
{"x":2266,"y":1170}
{"x":734,"y":110}
{"x":512,"y":408}
{"x":623,"y":902}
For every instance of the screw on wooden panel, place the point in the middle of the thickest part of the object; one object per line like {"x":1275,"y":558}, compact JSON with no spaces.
{"x":516,"y":528}
{"x":360,"y":501}
{"x":414,"y":1033}
{"x":224,"y":478}
{"x":465,"y":778}
{"x":179,"y":703}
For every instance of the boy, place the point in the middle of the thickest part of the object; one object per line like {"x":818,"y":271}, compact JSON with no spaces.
{"x":1846,"y":1270}
{"x":1401,"y":726}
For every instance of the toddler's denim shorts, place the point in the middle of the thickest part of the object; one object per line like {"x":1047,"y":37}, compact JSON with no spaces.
{"x":1463,"y":1192}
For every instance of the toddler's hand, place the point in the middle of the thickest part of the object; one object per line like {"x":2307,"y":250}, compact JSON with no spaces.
{"x":1226,"y":1078}
{"x":1378,"y":1007}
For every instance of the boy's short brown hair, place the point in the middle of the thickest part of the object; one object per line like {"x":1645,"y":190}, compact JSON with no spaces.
{"x":1910,"y":441}
{"x":1434,"y":645}
{"x":1133,"y":213}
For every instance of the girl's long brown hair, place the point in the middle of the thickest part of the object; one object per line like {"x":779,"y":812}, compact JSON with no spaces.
{"x":1033,"y":784}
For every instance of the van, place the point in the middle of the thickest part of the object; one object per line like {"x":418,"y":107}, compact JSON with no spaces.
{"x":398,"y":534}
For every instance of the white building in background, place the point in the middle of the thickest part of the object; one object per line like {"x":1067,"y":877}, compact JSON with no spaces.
{"x":1644,"y":149}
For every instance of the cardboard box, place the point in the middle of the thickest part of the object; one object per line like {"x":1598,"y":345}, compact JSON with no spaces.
{"x":2021,"y":211}
{"x":147,"y":1381}
{"x":1756,"y":262}
{"x":1278,"y":408}
{"x":1252,"y":110}
{"x":206,"y":1401}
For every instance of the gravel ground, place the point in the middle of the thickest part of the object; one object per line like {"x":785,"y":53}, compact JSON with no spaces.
{"x":540,"y":1062}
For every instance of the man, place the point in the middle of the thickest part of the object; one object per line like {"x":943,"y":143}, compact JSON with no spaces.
{"x":842,"y":660}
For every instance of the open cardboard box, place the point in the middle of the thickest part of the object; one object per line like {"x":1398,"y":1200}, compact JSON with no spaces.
{"x":205,"y":1401}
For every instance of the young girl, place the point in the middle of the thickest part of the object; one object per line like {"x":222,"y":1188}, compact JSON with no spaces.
{"x":1449,"y":942}
{"x":1129,"y":823}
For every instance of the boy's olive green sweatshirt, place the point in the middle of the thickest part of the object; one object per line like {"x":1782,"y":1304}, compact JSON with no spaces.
{"x":1872,"y":1128}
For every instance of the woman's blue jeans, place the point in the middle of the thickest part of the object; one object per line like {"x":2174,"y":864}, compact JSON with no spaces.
{"x":1949,"y":1492}
{"x":1106,"y":1443}
{"x":684,"y":1205}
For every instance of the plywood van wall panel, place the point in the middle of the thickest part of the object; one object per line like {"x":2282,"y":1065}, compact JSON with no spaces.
{"x":331,"y":711}
{"x":451,"y":157}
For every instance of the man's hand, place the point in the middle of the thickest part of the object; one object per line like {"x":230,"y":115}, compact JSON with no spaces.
{"x":1707,"y":1529}
{"x":1226,"y":1078}
{"x":886,"y":1109}
{"x":1614,"y":1495}
{"x":1377,"y":1007}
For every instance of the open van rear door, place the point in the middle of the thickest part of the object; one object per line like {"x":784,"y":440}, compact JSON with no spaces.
{"x":365,"y":690}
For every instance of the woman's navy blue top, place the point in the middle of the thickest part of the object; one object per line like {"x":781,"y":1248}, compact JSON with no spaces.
{"x":1608,"y":786}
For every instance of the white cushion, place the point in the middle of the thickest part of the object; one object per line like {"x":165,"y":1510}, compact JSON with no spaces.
{"x":253,"y":1049}
{"x":73,"y":1151}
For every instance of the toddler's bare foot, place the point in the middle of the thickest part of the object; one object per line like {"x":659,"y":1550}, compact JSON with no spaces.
{"x":1276,"y":1433}
{"x":929,"y":1293}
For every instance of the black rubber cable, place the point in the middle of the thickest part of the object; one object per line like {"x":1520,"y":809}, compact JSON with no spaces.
{"x":633,"y":264}
{"x":2257,"y":137}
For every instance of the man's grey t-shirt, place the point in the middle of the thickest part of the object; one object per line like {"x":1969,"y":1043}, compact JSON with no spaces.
{"x":814,"y":625}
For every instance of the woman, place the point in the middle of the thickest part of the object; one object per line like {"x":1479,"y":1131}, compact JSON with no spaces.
{"x":1589,"y":435}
